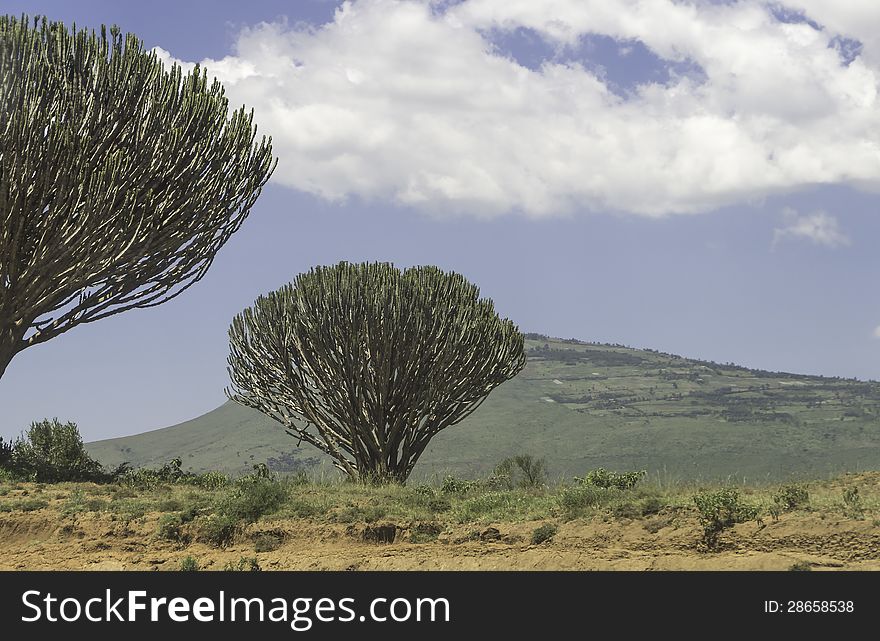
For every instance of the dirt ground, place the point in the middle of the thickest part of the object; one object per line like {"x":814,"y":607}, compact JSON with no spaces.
{"x":42,"y":540}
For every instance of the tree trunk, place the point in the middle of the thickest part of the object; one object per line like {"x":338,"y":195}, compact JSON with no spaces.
{"x":374,"y":472}
{"x":6,"y":354}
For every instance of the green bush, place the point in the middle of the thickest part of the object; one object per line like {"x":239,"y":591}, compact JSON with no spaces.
{"x":853,"y":502}
{"x":24,"y":505}
{"x":453,"y":485}
{"x":543,"y":533}
{"x":245,"y":564}
{"x":170,"y":527}
{"x":790,"y":497}
{"x":252,"y":497}
{"x":577,"y":500}
{"x":424,"y":532}
{"x":6,"y":451}
{"x":601,"y":477}
{"x":521,"y":471}
{"x":352,"y":513}
{"x":719,"y":510}
{"x":52,"y":452}
{"x":208,"y":480}
{"x":171,"y":474}
{"x":218,"y":530}
{"x":189,"y":564}
{"x":483,"y":505}
{"x":424,"y":497}
{"x":249,"y":498}
{"x":424,"y":490}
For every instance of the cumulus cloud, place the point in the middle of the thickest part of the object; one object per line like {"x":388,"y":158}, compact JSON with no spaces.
{"x":817,"y":227}
{"x":409,"y":101}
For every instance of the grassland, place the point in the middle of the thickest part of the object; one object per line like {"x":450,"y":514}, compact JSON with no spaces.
{"x":581,"y":406}
{"x":294,"y":524}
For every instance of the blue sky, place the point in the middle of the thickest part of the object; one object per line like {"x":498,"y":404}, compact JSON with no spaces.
{"x":708,"y":189}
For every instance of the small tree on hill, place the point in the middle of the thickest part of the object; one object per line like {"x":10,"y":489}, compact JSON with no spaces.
{"x":368,"y":363}
{"x":119,"y":180}
{"x":51,"y":452}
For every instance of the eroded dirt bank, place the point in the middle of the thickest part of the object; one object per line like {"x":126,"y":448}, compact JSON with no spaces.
{"x":44,"y":540}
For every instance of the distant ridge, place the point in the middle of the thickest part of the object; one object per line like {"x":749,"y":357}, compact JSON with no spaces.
{"x":583,"y":405}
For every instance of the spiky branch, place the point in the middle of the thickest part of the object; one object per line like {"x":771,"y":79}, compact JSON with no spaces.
{"x":368,"y":363}
{"x":119,"y":180}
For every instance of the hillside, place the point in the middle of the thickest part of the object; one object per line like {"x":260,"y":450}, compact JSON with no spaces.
{"x":585,"y":405}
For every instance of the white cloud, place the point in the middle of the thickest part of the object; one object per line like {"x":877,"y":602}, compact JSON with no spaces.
{"x":409,"y":101}
{"x":817,"y":227}
{"x":877,"y":332}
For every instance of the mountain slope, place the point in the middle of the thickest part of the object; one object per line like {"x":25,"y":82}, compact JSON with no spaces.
{"x":585,"y":405}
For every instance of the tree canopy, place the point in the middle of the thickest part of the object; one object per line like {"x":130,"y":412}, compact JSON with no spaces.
{"x":368,"y":362}
{"x":119,"y":179}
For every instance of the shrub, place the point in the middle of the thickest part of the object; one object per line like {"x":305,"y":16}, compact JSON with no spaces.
{"x":719,"y":510}
{"x":170,"y":505}
{"x":170,"y":527}
{"x":209,"y":480}
{"x":577,"y":499}
{"x":543,"y":533}
{"x":245,"y":564}
{"x":218,"y":530}
{"x":424,"y":490}
{"x":247,"y":500}
{"x":252,"y":497}
{"x":6,"y":450}
{"x":438,"y":504}
{"x":601,"y":477}
{"x":453,"y":485}
{"x":791,"y":497}
{"x":52,"y":452}
{"x":171,"y":473}
{"x":24,"y":505}
{"x":523,"y":471}
{"x":353,"y":513}
{"x":266,"y":543}
{"x":477,"y":507}
{"x":853,"y":502}
{"x":424,"y":532}
{"x":189,"y":564}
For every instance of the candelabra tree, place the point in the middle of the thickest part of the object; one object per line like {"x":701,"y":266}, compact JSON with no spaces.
{"x":119,"y":179}
{"x":368,"y":363}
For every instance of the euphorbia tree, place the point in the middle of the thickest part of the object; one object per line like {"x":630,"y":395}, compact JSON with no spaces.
{"x":119,"y":180}
{"x":368,"y":363}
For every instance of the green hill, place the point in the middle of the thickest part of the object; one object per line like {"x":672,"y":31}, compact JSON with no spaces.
{"x":581,"y":406}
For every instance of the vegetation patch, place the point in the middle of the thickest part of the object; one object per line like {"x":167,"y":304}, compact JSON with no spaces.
{"x":853,"y":505}
{"x":602,"y":478}
{"x":721,"y":509}
{"x":23,"y":505}
{"x":543,"y":533}
{"x":245,"y":564}
{"x":789,"y":497}
{"x":424,"y":532}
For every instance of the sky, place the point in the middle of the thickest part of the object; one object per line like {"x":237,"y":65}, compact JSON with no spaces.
{"x":700,"y":178}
